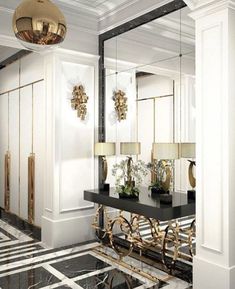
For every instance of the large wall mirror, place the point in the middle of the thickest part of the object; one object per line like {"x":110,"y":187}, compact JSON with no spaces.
{"x":150,"y":72}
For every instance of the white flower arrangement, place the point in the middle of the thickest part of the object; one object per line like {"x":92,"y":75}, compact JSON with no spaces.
{"x":137,"y":171}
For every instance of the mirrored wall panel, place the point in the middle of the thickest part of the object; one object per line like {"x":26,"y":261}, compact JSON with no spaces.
{"x":150,"y":102}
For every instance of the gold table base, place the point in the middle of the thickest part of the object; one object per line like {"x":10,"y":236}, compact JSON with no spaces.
{"x":167,"y":241}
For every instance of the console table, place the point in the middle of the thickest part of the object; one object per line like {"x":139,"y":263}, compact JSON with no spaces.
{"x":149,"y":209}
{"x":147,"y":205}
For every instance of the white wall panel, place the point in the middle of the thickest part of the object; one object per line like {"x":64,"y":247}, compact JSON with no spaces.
{"x":3,"y":142}
{"x":39,"y":148}
{"x":212,"y":144}
{"x":25,"y":146}
{"x":76,"y":139}
{"x":32,"y":67}
{"x":9,"y":77}
{"x":154,"y":85}
{"x":14,"y":149}
{"x":164,"y":119}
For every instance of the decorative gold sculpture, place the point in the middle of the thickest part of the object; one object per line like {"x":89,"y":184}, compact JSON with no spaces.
{"x":31,"y":187}
{"x":7,"y":181}
{"x":39,"y":23}
{"x":79,"y":101}
{"x":121,"y":107}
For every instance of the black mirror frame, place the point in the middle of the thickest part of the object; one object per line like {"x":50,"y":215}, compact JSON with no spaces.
{"x":132,"y":24}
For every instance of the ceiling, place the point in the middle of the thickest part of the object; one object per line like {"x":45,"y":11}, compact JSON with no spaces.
{"x":6,"y":52}
{"x":96,"y":7}
{"x":158,"y":43}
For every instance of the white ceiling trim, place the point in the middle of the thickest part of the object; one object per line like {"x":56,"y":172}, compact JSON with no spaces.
{"x":6,"y":10}
{"x":72,"y":4}
{"x":111,"y":25}
{"x":117,"y":9}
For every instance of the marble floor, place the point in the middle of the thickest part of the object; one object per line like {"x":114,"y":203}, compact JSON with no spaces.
{"x":26,"y":263}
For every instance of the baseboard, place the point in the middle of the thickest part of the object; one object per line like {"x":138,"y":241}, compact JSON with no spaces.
{"x":59,"y":233}
{"x":23,"y":225}
{"x":211,"y":275}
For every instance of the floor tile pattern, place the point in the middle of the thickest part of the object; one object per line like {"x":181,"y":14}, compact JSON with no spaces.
{"x":26,"y":263}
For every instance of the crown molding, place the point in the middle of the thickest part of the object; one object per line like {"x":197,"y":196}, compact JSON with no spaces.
{"x":109,"y":21}
{"x":10,"y":41}
{"x":114,"y":11}
{"x":77,"y":7}
{"x":207,"y":7}
{"x":6,"y":10}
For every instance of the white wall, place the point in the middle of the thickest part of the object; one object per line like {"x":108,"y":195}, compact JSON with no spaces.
{"x":20,"y":132}
{"x":70,"y":142}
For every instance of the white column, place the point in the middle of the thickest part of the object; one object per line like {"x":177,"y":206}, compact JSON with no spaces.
{"x":69,"y":168}
{"x":214,"y":264}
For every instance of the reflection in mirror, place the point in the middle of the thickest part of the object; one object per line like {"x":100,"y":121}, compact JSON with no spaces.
{"x":150,"y":96}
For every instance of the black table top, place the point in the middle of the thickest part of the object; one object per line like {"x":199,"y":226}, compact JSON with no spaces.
{"x":147,"y":205}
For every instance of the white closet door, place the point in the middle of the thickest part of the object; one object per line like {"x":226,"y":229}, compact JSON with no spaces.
{"x":3,"y":141}
{"x":164,"y":119}
{"x":25,"y":146}
{"x":14,"y":149}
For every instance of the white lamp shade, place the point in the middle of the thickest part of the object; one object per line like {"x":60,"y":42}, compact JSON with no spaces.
{"x":165,"y":151}
{"x":187,"y":150}
{"x":130,"y":148}
{"x":105,"y":149}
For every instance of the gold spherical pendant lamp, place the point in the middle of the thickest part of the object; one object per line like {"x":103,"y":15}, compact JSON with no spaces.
{"x":39,"y":24}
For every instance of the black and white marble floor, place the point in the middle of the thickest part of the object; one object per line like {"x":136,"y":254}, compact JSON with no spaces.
{"x":28,"y":264}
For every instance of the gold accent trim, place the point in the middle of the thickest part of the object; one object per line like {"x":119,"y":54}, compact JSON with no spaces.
{"x":31,"y":188}
{"x":126,"y":229}
{"x":7,"y":181}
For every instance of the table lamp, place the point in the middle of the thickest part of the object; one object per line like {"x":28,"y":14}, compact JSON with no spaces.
{"x":166,"y":151}
{"x":129,"y":149}
{"x":187,"y":150}
{"x":103,"y":149}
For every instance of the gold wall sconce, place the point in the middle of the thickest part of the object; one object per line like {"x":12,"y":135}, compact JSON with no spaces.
{"x":121,"y":107}
{"x":103,"y":149}
{"x":79,"y":101}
